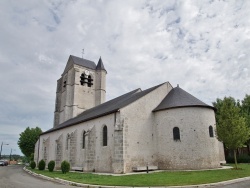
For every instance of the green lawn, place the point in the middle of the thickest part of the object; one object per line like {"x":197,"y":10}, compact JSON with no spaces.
{"x":154,"y":179}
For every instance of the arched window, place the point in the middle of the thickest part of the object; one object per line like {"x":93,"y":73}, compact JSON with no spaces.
{"x":105,"y":136}
{"x":86,"y":79}
{"x":90,"y":81}
{"x":211,"y":131}
{"x":83,"y":139}
{"x":67,"y":141}
{"x":83,"y":78}
{"x":176,"y":133}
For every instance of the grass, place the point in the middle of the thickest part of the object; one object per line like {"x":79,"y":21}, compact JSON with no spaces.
{"x":154,"y":179}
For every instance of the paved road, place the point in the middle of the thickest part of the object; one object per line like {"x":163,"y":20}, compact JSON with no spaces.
{"x":15,"y":177}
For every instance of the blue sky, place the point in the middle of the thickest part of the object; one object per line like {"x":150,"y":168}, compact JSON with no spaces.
{"x":202,"y":45}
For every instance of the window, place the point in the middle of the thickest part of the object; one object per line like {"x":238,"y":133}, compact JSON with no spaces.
{"x":105,"y":136}
{"x":64,"y":84}
{"x":86,"y":79}
{"x":176,"y":133}
{"x":90,"y":80}
{"x":67,"y":142}
{"x":83,"y":139}
{"x":211,"y":131}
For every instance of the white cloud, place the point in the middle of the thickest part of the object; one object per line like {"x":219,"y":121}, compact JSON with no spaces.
{"x":201,"y":45}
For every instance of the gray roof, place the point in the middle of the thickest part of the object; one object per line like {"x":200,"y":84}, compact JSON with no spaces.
{"x":106,"y":108}
{"x":100,"y":65}
{"x":83,"y":62}
{"x":178,"y":98}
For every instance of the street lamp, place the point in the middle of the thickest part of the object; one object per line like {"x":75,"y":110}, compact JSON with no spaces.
{"x":1,"y":149}
{"x":11,"y":152}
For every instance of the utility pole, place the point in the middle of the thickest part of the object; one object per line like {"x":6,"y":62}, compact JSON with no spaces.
{"x":10,"y":153}
{"x":1,"y":149}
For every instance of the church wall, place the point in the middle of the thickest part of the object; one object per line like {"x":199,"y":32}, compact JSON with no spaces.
{"x":195,"y":149}
{"x":94,"y":157}
{"x":139,"y":136}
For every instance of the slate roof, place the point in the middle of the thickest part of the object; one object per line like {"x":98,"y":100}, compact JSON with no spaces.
{"x":178,"y":98}
{"x":100,"y":65}
{"x":83,"y":62}
{"x":106,"y":108}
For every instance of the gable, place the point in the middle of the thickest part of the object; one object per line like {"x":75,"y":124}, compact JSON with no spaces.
{"x":79,"y":61}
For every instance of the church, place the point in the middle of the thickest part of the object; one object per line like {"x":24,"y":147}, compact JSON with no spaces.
{"x":162,"y":127}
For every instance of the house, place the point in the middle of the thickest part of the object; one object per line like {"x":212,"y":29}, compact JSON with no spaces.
{"x":162,"y":127}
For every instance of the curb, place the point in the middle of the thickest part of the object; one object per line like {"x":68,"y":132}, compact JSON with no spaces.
{"x":66,"y":182}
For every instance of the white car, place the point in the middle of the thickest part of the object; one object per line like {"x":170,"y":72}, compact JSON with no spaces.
{"x":2,"y":163}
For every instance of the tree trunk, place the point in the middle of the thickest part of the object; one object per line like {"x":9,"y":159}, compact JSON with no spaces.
{"x":248,"y":149}
{"x":235,"y":159}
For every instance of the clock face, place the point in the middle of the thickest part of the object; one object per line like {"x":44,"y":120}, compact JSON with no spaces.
{"x":86,"y":72}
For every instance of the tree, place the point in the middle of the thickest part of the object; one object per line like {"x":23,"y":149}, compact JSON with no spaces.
{"x":231,"y":126}
{"x":28,"y":139}
{"x":245,"y":111}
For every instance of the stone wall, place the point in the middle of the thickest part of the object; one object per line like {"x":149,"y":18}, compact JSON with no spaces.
{"x":195,"y":149}
{"x":59,"y":151}
{"x":139,"y":136}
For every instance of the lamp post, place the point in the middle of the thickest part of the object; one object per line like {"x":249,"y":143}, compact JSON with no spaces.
{"x":1,"y":149}
{"x":10,"y":153}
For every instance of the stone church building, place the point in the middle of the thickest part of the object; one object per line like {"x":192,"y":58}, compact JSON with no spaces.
{"x":163,"y":127}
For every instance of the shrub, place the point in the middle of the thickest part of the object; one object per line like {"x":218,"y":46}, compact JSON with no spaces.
{"x":32,"y":157}
{"x":41,"y":165}
{"x":33,"y":164}
{"x":65,"y":166}
{"x":51,"y":166}
{"x":240,"y":159}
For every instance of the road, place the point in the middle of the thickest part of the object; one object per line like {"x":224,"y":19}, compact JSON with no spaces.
{"x":15,"y":177}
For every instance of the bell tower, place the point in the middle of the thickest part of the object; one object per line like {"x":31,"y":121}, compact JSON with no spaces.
{"x":82,"y":86}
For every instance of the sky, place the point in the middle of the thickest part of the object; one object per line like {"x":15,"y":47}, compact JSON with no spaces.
{"x":202,"y":45}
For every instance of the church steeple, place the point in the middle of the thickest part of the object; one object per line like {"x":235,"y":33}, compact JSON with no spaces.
{"x":100,"y":65}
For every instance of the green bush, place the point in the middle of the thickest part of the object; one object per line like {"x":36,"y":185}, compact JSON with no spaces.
{"x":65,"y":166}
{"x":41,"y":165}
{"x":32,"y":157}
{"x":240,"y":159}
{"x":33,"y":164}
{"x":51,"y":166}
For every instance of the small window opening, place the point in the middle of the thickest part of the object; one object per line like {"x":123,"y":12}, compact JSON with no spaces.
{"x":90,"y":80}
{"x":83,"y":140}
{"x":67,"y":142}
{"x":64,"y":84}
{"x":86,"y":79}
{"x":211,"y":131}
{"x":176,"y":133}
{"x":105,"y":136}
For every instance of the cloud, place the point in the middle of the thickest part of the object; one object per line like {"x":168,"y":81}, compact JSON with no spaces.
{"x":201,"y":45}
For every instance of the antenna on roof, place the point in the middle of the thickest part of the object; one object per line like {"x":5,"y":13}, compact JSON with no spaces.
{"x":82,"y":52}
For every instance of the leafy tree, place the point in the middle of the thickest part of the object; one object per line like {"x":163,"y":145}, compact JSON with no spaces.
{"x":28,"y":139}
{"x":218,"y":105}
{"x":245,"y":111}
{"x":231,"y":126}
